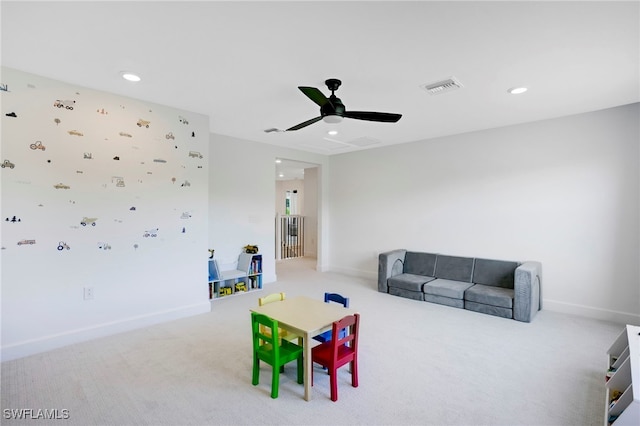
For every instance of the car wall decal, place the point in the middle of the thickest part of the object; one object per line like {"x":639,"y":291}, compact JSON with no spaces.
{"x":37,"y":145}
{"x":69,"y":104}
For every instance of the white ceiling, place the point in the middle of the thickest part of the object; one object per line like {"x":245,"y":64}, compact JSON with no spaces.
{"x":240,"y":62}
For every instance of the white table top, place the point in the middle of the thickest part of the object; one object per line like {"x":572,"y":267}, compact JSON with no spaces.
{"x":305,"y":315}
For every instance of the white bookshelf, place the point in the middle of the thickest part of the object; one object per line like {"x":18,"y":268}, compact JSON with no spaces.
{"x":247,"y":277}
{"x":622,"y":405}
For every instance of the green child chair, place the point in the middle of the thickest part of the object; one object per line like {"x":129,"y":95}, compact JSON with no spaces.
{"x":274,"y":351}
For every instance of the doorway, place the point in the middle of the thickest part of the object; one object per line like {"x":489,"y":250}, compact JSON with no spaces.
{"x":296,"y":224}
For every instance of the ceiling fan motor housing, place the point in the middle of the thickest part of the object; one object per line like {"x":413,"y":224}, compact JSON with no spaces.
{"x":333,"y":107}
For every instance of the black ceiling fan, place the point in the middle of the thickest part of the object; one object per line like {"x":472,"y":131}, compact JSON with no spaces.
{"x":333,"y":110}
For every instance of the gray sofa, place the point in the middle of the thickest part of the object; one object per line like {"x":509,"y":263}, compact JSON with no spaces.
{"x":496,"y":287}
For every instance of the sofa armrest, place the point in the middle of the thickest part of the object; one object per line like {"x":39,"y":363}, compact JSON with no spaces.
{"x":527,"y":291}
{"x":386,"y":261}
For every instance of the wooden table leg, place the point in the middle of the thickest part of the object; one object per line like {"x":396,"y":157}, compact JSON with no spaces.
{"x":308,"y":365}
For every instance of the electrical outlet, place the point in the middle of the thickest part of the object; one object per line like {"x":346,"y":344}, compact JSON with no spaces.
{"x":88,"y":293}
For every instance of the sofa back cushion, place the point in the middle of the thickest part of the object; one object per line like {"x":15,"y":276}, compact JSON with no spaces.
{"x":454,"y":268}
{"x":419,"y":263}
{"x":497,"y":273}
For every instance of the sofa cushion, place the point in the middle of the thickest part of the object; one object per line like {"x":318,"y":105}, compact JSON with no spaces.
{"x":490,"y":295}
{"x":419,"y":263}
{"x":409,"y":282}
{"x":447,"y":288}
{"x":455,"y":303}
{"x":488,"y":309}
{"x":454,"y":268}
{"x":415,"y":295}
{"x":498,"y":273}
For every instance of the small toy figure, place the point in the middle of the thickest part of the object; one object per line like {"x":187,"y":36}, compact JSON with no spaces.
{"x":251,"y":249}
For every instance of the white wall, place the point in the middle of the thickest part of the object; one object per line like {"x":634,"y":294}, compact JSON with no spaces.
{"x":311,"y":211}
{"x":140,"y":279}
{"x":564,"y":192}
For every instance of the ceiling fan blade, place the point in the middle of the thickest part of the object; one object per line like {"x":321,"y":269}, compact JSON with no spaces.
{"x":385,"y":117}
{"x":314,"y":94}
{"x":305,"y":124}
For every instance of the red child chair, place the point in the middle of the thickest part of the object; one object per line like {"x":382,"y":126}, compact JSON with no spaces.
{"x":339,"y":351}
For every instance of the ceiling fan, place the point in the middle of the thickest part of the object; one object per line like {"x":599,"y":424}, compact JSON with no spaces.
{"x":332,"y":110}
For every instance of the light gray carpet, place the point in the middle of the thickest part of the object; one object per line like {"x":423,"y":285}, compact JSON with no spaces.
{"x":420,"y":364}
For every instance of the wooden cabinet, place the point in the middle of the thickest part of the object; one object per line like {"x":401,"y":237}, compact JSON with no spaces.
{"x":247,"y":277}
{"x":623,"y":379}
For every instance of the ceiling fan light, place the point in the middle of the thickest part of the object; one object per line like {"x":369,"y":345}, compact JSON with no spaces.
{"x":332,"y":119}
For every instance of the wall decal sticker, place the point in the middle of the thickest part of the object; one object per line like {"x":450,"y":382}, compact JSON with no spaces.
{"x":193,"y":134}
{"x":173,"y":180}
{"x":7,"y":163}
{"x":13,"y":220}
{"x":102,"y":111}
{"x":169,"y":136}
{"x":37,"y":145}
{"x":57,"y":121}
{"x":87,"y":156}
{"x":132,"y":209}
{"x":183,"y":120}
{"x":119,"y":180}
{"x":79,"y":172}
{"x":143,"y":123}
{"x":151,"y":233}
{"x":26,"y":242}
{"x":61,"y":186}
{"x":185,"y":215}
{"x":127,"y":135}
{"x":12,"y":114}
{"x":159,"y":160}
{"x":75,"y":133}
{"x":4,"y":87}
{"x":104,"y":246}
{"x":64,"y":104}
{"x":135,"y":246}
{"x":88,"y":221}
{"x":116,"y":158}
{"x":62,"y":245}
{"x":186,"y":183}
{"x":195,"y":154}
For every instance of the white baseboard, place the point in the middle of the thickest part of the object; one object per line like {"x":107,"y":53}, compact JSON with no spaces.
{"x":551,"y":305}
{"x":591,"y":312}
{"x":47,"y":343}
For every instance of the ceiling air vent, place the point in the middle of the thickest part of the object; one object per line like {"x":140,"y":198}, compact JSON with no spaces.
{"x":442,"y":86}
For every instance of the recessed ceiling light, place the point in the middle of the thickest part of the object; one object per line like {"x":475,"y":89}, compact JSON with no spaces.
{"x":129,"y":76}
{"x":280,"y":175}
{"x":332,"y":132}
{"x":517,"y":90}
{"x":278,"y":160}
